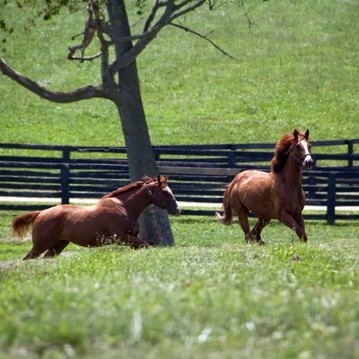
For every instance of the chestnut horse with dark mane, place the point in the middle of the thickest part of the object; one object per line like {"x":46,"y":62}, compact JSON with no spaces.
{"x":274,"y":195}
{"x":114,"y":219}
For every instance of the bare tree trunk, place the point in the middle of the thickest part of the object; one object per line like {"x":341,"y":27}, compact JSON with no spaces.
{"x":154,"y":223}
{"x":155,"y":227}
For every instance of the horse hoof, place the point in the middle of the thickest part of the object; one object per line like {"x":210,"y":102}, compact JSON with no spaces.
{"x":250,"y":241}
{"x":139,"y":245}
{"x":144,"y":245}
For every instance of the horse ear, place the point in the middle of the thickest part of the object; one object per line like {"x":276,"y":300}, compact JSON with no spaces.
{"x":307,"y":134}
{"x":295,"y":134}
{"x":162,"y":181}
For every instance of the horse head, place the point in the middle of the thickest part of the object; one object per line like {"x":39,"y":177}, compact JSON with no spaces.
{"x":162,"y":196}
{"x":300,"y":149}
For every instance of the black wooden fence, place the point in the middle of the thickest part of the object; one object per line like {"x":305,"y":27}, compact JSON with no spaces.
{"x":198,"y":174}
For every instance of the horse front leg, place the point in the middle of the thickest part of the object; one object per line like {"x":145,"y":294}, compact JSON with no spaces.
{"x":135,"y":242}
{"x":300,"y":220}
{"x":293,"y":224}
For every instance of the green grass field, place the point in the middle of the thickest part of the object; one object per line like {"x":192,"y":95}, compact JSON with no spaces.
{"x":211,"y":295}
{"x":297,"y":66}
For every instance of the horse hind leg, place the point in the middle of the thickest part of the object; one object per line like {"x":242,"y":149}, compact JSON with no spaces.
{"x":35,"y":252}
{"x":52,"y":251}
{"x":242,"y":214}
{"x":39,"y":246}
{"x":31,"y":255}
{"x":257,"y":230}
{"x":56,"y":249}
{"x":40,"y":243}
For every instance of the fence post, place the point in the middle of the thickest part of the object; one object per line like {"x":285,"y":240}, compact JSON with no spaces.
{"x":65,"y":183}
{"x":65,"y":154}
{"x":65,"y":176}
{"x":231,"y":160}
{"x":156,"y":153}
{"x":350,"y":153}
{"x":312,"y":181}
{"x":331,"y":199}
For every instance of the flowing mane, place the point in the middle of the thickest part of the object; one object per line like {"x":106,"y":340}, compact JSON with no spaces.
{"x":281,"y":152}
{"x":126,"y":188}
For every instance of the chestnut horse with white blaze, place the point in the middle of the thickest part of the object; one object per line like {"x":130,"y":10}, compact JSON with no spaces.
{"x":274,"y":195}
{"x":114,"y":219}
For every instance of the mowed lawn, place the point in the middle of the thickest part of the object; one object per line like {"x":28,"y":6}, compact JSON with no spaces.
{"x":211,"y":295}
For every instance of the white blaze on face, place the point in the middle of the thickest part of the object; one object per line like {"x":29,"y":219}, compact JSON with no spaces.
{"x":171,"y":193}
{"x":175,"y":210}
{"x":307,"y":156}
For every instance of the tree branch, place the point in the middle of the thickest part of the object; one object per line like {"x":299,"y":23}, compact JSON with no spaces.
{"x":185,"y":3}
{"x":171,"y":12}
{"x":83,"y":93}
{"x":186,"y":10}
{"x":131,"y":55}
{"x":246,"y":14}
{"x":107,"y":76}
{"x":203,"y":37}
{"x":152,"y":15}
{"x":84,"y":58}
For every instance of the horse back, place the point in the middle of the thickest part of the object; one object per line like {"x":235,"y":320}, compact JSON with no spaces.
{"x":86,"y":225}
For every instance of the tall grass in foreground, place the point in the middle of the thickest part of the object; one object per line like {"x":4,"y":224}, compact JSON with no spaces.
{"x":210,"y":296}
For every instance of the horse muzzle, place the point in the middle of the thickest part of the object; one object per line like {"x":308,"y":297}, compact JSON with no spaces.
{"x":308,"y":162}
{"x":174,"y":212}
{"x":173,"y":209}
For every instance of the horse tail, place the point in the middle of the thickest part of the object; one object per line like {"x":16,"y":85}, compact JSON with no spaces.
{"x":21,"y":224}
{"x":226,"y":218}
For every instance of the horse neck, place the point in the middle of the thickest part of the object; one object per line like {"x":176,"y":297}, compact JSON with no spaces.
{"x":135,"y":200}
{"x":292,"y":173}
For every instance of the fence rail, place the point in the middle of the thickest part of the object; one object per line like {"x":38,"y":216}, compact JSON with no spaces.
{"x":198,"y":173}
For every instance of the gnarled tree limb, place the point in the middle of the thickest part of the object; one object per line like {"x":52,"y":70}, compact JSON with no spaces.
{"x":83,"y":93}
{"x":83,"y":58}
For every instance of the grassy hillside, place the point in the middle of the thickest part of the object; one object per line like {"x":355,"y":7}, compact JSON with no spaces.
{"x":295,"y":66}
